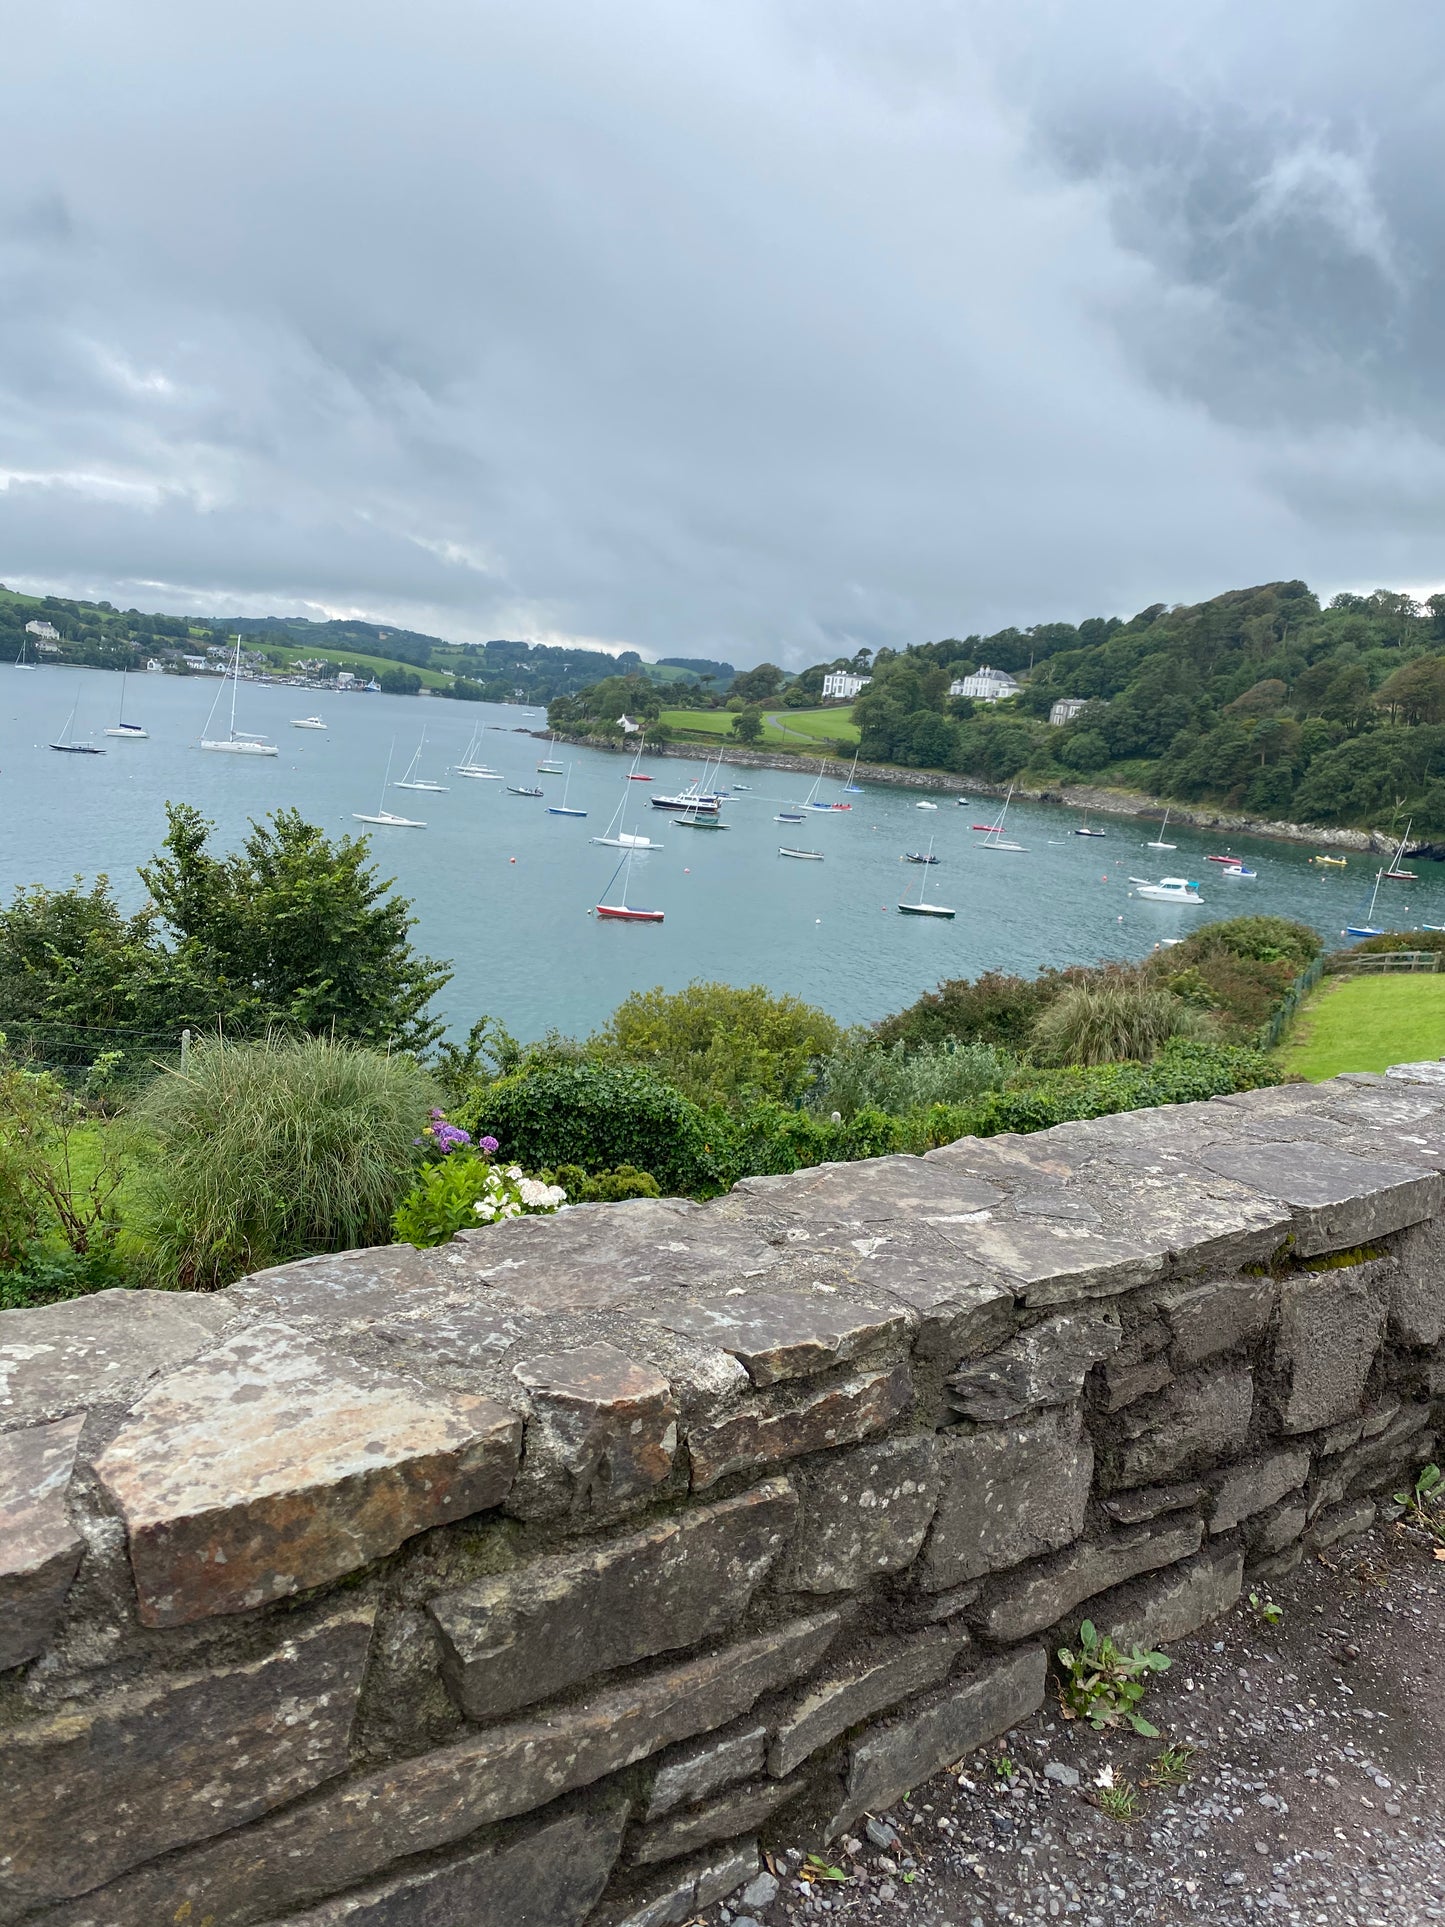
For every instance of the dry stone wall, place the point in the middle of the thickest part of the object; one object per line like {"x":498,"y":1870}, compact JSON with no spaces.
{"x":534,"y":1578}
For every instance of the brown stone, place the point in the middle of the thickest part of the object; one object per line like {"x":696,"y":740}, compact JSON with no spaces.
{"x":527,"y":1634}
{"x":1023,"y":1603}
{"x":785,"y":1423}
{"x":777,"y":1337}
{"x":602,"y":1432}
{"x":937,"y":1729}
{"x":99,"y":1788}
{"x":39,"y":1548}
{"x":842,"y":1699}
{"x":1009,"y":1493}
{"x":550,"y":1877}
{"x":267,"y":1467}
{"x":419,"y":1805}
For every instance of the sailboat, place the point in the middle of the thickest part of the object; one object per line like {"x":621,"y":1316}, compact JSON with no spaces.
{"x":131,"y":732}
{"x":69,"y":748}
{"x":1083,"y":829}
{"x":545,"y":767}
{"x":561,"y":809}
{"x":619,"y":839}
{"x":623,"y":911}
{"x":236,"y":742}
{"x":20,"y":662}
{"x":1155,"y":843}
{"x":808,"y":856}
{"x":382,"y":814}
{"x":1369,"y":928}
{"x":853,"y":787}
{"x":993,"y":832}
{"x":1395,"y":873}
{"x":634,"y":775}
{"x":483,"y":772}
{"x":812,"y":802}
{"x":411,"y":781}
{"x":920,"y":908}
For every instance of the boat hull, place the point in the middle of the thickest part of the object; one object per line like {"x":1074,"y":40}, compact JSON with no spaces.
{"x":389,"y":822}
{"x":129,"y":732}
{"x":78,"y":749}
{"x":925,"y":910}
{"x":556,"y":809}
{"x":243,"y":749}
{"x":805,"y":856}
{"x":620,"y":913}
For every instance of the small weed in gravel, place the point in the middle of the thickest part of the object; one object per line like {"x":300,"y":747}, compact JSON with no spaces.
{"x":1103,"y":1685}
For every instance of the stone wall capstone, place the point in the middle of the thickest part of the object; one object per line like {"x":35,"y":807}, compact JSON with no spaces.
{"x":534,"y":1578}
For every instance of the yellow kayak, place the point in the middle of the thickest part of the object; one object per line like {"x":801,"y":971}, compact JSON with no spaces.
{"x":1330,"y":862}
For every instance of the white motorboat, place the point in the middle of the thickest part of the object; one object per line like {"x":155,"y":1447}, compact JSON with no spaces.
{"x":307,"y":722}
{"x":1167,"y":890}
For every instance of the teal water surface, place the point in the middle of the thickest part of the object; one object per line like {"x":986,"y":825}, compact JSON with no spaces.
{"x":504,"y":891}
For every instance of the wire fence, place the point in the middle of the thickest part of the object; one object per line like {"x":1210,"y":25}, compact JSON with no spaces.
{"x":1289,"y":1004}
{"x":71,"y":1050}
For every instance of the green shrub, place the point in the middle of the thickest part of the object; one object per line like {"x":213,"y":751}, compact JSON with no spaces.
{"x":718,"y":1044}
{"x":1106,"y":1023}
{"x":992,"y":1009}
{"x":258,"y":1153}
{"x":597,"y":1116}
{"x":1242,"y":969}
{"x":609,"y":1187}
{"x":1185,"y":1072}
{"x":769,"y":1139}
{"x":49,"y":1277}
{"x":463,"y":1192}
{"x":1402,"y":940}
{"x":862,"y":1074}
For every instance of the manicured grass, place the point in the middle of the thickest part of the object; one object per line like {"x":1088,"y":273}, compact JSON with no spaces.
{"x":812,"y":728}
{"x":1367,"y":1024}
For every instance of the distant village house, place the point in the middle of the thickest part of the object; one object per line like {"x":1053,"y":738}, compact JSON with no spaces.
{"x":985,"y":685}
{"x":844,"y":684}
{"x":1065,"y":710}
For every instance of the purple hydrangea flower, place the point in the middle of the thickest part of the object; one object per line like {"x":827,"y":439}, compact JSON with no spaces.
{"x":487,"y":1144}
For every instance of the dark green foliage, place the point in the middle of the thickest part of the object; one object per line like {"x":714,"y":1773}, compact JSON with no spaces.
{"x":1184,"y":1073}
{"x":720,"y":1042}
{"x":293,"y":929}
{"x":1240,"y":969}
{"x":597,"y":1116}
{"x":748,"y":726}
{"x":1105,"y":1023}
{"x":608,"y":1187}
{"x":768,"y":1139}
{"x":49,"y":1277}
{"x":1402,"y":940}
{"x":992,"y":1009}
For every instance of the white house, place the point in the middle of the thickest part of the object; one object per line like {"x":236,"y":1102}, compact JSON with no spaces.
{"x":196,"y":662}
{"x":1065,"y":710}
{"x":985,"y":685}
{"x":46,"y":631}
{"x":629,"y":728}
{"x":843,"y":683}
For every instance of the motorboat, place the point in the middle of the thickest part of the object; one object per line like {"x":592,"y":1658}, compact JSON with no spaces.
{"x":918,"y":856}
{"x":1168,"y":890}
{"x":307,"y":722}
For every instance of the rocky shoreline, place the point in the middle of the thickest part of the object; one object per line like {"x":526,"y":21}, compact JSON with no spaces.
{"x":1074,"y":796}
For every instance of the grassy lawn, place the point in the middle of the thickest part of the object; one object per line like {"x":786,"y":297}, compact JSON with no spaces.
{"x":286,"y":659}
{"x":816,"y":725}
{"x":1367,"y":1024}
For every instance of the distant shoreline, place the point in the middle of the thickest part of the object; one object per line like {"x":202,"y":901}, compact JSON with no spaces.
{"x":1074,"y":796}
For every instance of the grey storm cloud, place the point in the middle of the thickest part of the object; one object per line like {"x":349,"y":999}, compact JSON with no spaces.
{"x":757,"y":329}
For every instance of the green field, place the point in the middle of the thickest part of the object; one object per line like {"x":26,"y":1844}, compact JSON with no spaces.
{"x":1367,"y":1024}
{"x":288,"y":658}
{"x":811,"y":729}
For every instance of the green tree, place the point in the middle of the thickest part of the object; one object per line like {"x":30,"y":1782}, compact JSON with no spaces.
{"x":748,"y":726}
{"x":295,"y":929}
{"x":758,"y":685}
{"x":716,"y":1043}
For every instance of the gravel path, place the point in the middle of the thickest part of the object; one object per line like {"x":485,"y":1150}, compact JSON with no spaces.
{"x":1314,"y":1791}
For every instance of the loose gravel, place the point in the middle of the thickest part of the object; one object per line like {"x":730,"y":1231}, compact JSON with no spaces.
{"x":1311,"y":1792}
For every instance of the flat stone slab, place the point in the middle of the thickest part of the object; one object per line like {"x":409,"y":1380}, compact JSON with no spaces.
{"x":267,"y":1467}
{"x":873,"y":1190}
{"x":602,"y":1432}
{"x":1044,"y":1365}
{"x":354,"y":1832}
{"x":1021,"y":1604}
{"x":1009,"y":1492}
{"x":108,"y":1784}
{"x":704,"y":1767}
{"x":845,"y":1698}
{"x":776,"y":1337}
{"x":1171,"y":1604}
{"x":812,"y":1420}
{"x":99,"y":1350}
{"x":1335,"y":1201}
{"x":344,"y":1290}
{"x":1242,"y":1490}
{"x":524,"y":1635}
{"x":639,"y":1251}
{"x":741,"y":1809}
{"x":39,"y":1547}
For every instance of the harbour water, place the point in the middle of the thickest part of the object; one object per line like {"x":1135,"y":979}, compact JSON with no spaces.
{"x":504,"y":891}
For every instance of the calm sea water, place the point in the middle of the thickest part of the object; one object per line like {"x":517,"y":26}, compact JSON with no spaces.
{"x":504,"y":891}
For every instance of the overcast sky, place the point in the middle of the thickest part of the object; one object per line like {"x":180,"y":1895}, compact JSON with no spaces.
{"x":750,"y":328}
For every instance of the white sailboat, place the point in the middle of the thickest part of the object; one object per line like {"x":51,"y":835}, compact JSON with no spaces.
{"x":993,"y":837}
{"x":237,"y":742}
{"x":616,"y":838}
{"x":546,"y":766}
{"x":920,"y":908}
{"x":1156,"y":843}
{"x":20,"y":662}
{"x":481,"y":772}
{"x":411,"y":781}
{"x":127,"y":732}
{"x":69,"y":748}
{"x":382,"y":814}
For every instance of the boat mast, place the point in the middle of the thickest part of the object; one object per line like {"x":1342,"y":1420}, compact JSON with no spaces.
{"x":235,"y":684}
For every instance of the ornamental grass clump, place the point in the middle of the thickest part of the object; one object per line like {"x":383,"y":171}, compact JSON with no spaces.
{"x":253,"y":1154}
{"x":1114,"y":1022}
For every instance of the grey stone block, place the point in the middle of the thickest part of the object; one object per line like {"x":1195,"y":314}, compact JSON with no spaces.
{"x":694,"y":1771}
{"x":1020,"y":1604}
{"x":548,"y":1878}
{"x":39,"y":1547}
{"x":271,"y":1465}
{"x":787,"y":1422}
{"x":837,"y":1701}
{"x":1417,"y":1286}
{"x":940,"y":1727}
{"x":1185,"y":1429}
{"x":1171,"y":1604}
{"x":1330,"y":1327}
{"x":1336,"y":1202}
{"x":524,"y":1635}
{"x":1126,"y":1384}
{"x":1278,"y":1565}
{"x":100,"y":1787}
{"x":1044,"y":1365}
{"x":682,"y":1892}
{"x":1346,"y":1521}
{"x":601,"y":1434}
{"x":776,"y":1336}
{"x":740,"y":1809}
{"x":1241,"y":1490}
{"x":863,"y":1511}
{"x":1149,"y":1501}
{"x":1208,"y":1319}
{"x":1270,"y":1532}
{"x":349,"y":1835}
{"x":100,"y":1350}
{"x":1009,"y":1493}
